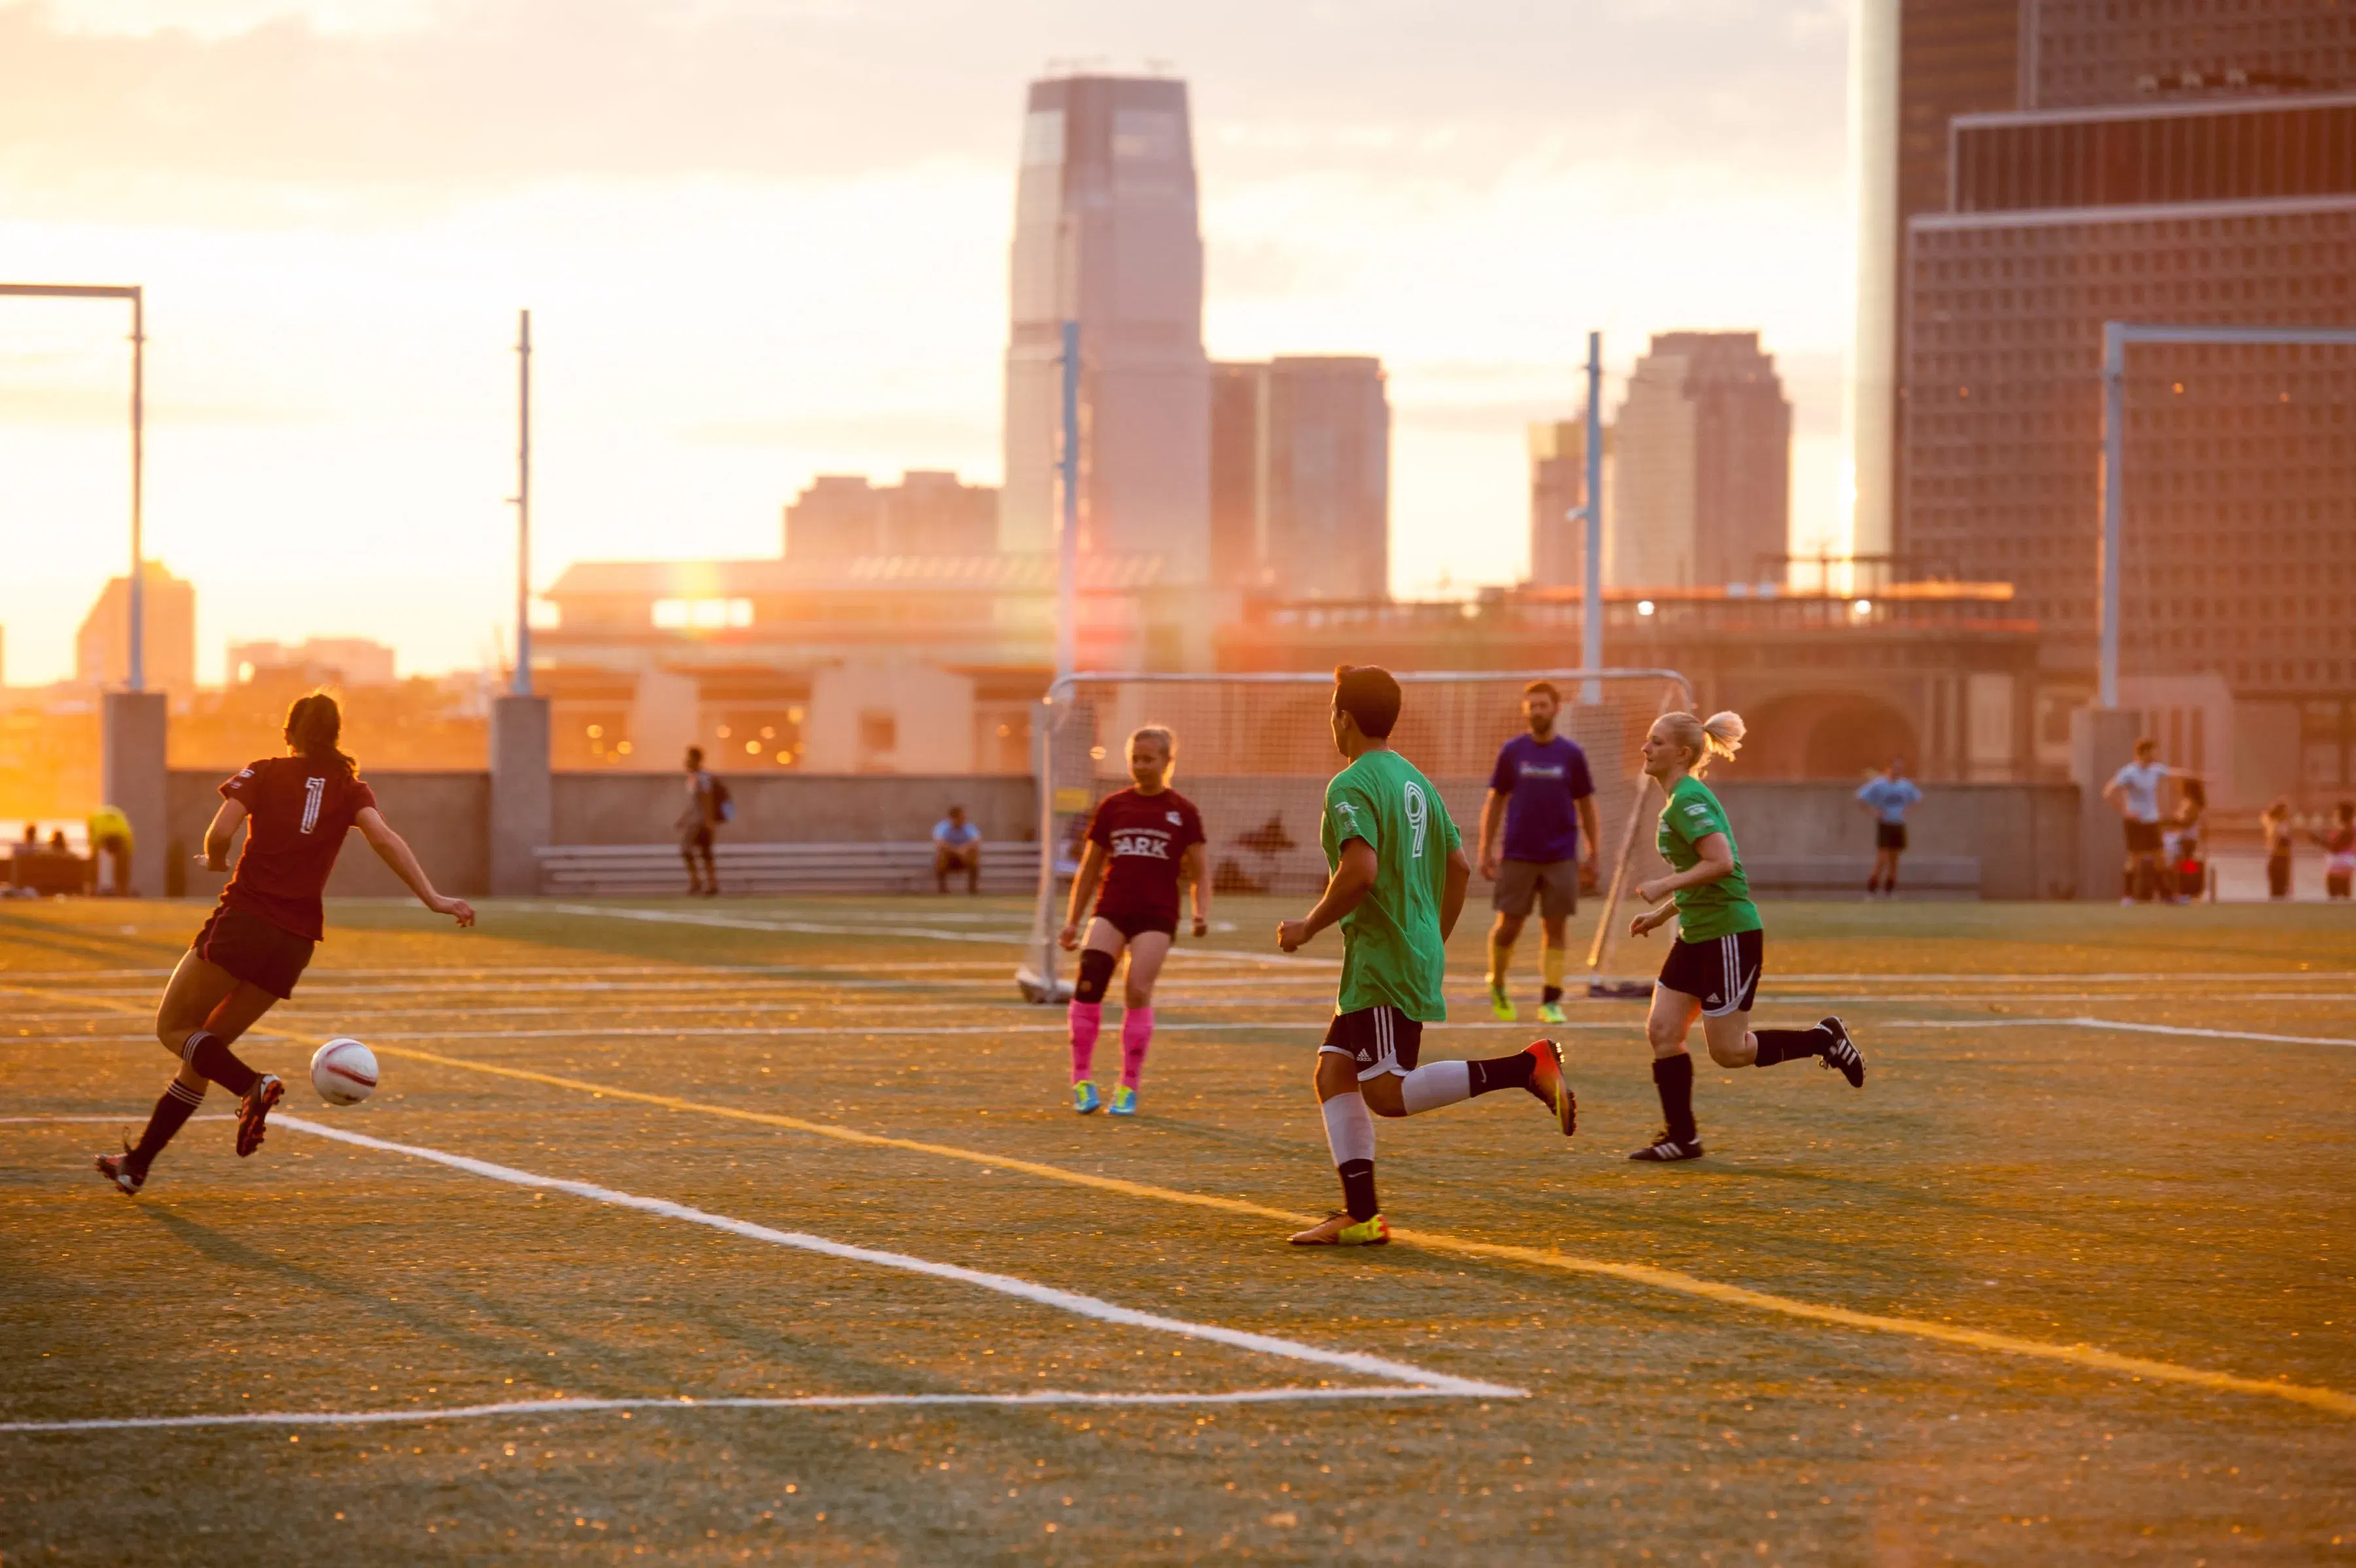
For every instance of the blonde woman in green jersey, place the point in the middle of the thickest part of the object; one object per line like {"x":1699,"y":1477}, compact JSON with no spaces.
{"x":1398,"y":880}
{"x":1713,"y":969}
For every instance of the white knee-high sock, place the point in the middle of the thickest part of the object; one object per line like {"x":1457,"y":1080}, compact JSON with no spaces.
{"x":1349,"y":1128}
{"x":1435,"y":1084}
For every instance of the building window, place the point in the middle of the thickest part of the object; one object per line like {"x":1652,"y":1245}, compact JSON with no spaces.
{"x":677,"y":615}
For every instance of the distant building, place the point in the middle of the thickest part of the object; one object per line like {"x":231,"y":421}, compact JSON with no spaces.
{"x":1301,"y":476}
{"x":339,"y":661}
{"x":929,"y":512}
{"x":1702,"y":492}
{"x":168,"y":651}
{"x":1106,"y":233}
{"x":1558,"y":487}
{"x":2194,"y":167}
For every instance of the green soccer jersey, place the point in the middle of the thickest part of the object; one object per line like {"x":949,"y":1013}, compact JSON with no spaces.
{"x":1717,"y":908}
{"x":1391,"y":950}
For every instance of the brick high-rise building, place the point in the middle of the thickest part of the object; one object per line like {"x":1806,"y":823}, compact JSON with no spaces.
{"x":167,"y":650}
{"x":2181,"y":162}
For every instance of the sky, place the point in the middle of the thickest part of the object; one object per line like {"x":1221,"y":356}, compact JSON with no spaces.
{"x":766,"y":238}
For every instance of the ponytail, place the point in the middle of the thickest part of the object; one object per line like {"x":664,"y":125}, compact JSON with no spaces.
{"x":314,"y":725}
{"x":1717,"y":738}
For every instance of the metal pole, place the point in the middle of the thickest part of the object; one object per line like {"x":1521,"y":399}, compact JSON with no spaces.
{"x":1067,"y":528}
{"x":138,"y":672}
{"x":521,"y":684}
{"x":2115,"y":447}
{"x":1591,"y":579}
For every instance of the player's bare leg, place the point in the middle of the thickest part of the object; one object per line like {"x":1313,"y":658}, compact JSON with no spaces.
{"x":1502,"y":938}
{"x":205,"y":1009}
{"x":1145,"y":959}
{"x":1665,"y":1027}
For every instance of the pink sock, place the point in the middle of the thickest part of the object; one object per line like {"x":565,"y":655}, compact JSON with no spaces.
{"x":1136,"y":1033}
{"x":1087,"y":1017}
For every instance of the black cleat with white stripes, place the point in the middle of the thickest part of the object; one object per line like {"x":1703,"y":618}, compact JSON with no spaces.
{"x":1841,"y":1055}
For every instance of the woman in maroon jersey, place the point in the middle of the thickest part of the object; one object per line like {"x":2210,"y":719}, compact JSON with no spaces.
{"x":255,"y":944}
{"x":1142,"y":843}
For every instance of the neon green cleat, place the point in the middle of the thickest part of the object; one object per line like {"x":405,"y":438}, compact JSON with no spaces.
{"x":1124,"y":1101}
{"x":1340,"y":1230}
{"x":1083,"y":1097}
{"x":1552,"y":1013}
{"x":1499,"y":1003}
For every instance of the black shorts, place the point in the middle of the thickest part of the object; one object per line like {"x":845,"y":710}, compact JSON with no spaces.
{"x":1723,"y":972}
{"x":267,"y":957}
{"x":2143,"y":838}
{"x":1132,"y":924}
{"x":1889,"y":837}
{"x":1377,"y":1040}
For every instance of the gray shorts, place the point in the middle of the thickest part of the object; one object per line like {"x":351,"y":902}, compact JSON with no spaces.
{"x":1552,"y":885}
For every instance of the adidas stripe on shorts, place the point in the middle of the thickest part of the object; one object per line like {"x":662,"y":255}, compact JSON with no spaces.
{"x":1722,"y":971}
{"x":1377,"y":1039}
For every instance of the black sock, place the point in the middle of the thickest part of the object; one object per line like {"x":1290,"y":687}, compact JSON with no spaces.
{"x":1673,"y":1076}
{"x":1873,"y":883}
{"x":206,"y":1053}
{"x":1550,"y":993}
{"x":1358,"y":1189}
{"x":1503,"y":1072}
{"x":1789,"y":1045}
{"x":172,"y":1113}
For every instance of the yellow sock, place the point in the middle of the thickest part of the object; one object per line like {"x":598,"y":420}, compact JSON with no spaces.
{"x":1500,"y":955}
{"x":1550,"y":965}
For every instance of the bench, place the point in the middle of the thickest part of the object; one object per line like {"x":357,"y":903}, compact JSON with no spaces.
{"x":653,"y":870}
{"x":47,"y":871}
{"x":1843,"y":876}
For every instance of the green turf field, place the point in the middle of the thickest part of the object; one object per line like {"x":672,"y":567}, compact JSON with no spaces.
{"x":2069,"y":1281}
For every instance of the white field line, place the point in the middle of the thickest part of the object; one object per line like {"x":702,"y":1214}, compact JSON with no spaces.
{"x":2115,"y":1025}
{"x":1409,"y":1381}
{"x":684,"y":1402}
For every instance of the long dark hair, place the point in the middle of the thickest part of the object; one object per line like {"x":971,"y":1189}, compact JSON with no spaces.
{"x":314,"y":725}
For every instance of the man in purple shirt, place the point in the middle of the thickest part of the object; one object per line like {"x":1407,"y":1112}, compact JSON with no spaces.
{"x":1542,"y":796}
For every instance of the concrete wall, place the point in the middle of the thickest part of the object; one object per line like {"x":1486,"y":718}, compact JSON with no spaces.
{"x":2026,"y":835}
{"x":788,"y":808}
{"x":445,"y":816}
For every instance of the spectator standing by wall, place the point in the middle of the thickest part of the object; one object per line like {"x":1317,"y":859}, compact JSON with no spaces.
{"x":2134,"y":793}
{"x":957,"y":845}
{"x":1886,"y":794}
{"x":2275,"y":823}
{"x":697,"y":820}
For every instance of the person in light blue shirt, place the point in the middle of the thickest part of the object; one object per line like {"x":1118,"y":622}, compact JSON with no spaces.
{"x":957,"y":846}
{"x":1886,"y":794}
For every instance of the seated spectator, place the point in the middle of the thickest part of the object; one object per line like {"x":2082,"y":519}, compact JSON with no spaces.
{"x":957,"y":844}
{"x":57,"y":844}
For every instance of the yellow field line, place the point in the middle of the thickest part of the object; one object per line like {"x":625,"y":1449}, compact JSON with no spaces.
{"x":2086,"y":1356}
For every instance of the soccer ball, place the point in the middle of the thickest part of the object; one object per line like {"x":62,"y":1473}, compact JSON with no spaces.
{"x":344,"y":1072}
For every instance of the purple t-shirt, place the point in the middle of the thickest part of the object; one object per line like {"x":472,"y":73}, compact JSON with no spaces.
{"x":1541,"y":779}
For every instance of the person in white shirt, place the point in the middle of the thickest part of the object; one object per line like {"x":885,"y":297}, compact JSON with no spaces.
{"x":2134,"y":794}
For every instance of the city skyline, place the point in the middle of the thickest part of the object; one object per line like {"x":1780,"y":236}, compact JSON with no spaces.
{"x":309,"y":328}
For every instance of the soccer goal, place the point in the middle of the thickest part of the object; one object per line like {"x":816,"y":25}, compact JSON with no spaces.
{"x":1254,"y":752}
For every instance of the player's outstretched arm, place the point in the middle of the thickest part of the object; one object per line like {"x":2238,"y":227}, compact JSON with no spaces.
{"x":394,"y":852}
{"x":219,"y":832}
{"x":1084,"y":891}
{"x":1452,"y":892}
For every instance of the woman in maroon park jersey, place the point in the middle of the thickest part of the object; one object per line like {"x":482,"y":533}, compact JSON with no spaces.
{"x":1142,"y":843}
{"x":254,"y":947}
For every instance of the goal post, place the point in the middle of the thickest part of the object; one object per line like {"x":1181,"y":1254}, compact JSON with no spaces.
{"x":1254,"y":752}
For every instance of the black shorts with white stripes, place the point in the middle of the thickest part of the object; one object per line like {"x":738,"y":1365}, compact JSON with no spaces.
{"x":1377,"y":1040}
{"x":1721,"y":972}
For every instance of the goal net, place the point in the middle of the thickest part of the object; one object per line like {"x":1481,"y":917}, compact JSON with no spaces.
{"x":1254,"y":752}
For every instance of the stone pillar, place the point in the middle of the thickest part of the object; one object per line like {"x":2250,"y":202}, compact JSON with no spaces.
{"x":523,"y":799}
{"x":2101,"y":741}
{"x":134,"y":776}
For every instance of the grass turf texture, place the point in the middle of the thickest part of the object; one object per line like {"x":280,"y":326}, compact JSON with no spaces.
{"x":2175,"y":1198}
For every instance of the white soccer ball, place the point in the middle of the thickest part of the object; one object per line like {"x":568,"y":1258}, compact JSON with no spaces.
{"x":344,"y":1072}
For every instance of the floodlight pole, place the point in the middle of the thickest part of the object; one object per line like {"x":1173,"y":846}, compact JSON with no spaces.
{"x":520,"y":683}
{"x":2116,"y":337}
{"x":1591,"y":579}
{"x":1068,"y":526}
{"x":138,"y":673}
